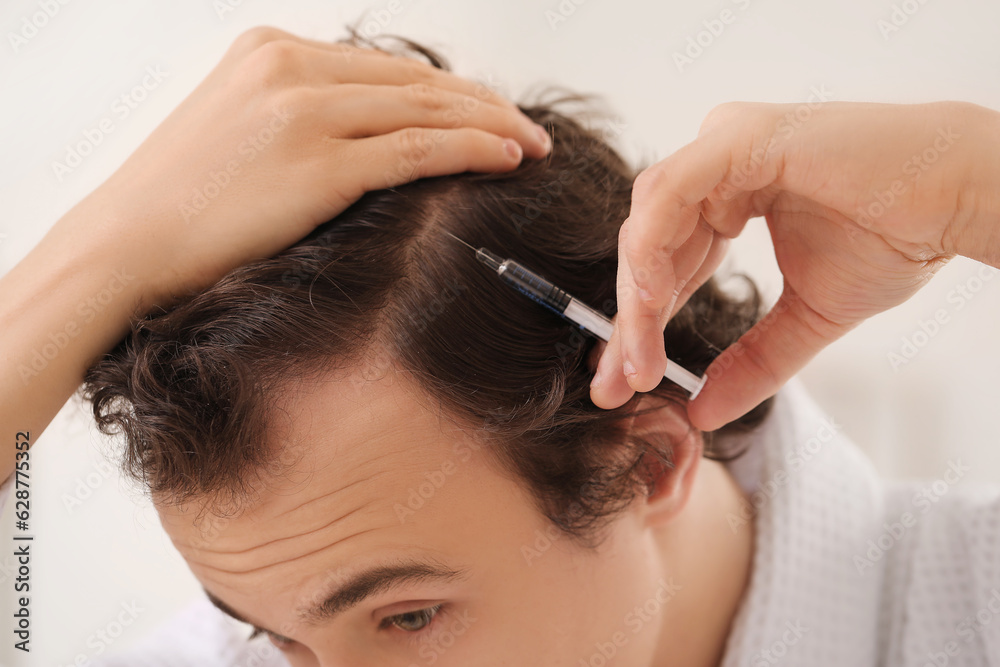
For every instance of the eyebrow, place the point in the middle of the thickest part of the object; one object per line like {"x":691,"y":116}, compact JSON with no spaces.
{"x":360,"y":587}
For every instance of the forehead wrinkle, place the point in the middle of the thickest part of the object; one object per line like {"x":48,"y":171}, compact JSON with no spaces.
{"x":286,"y":560}
{"x":240,"y":552}
{"x":400,"y":467}
{"x":323,"y":496}
{"x":297,"y":535}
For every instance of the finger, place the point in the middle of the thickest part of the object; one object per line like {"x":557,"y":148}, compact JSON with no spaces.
{"x":642,"y":343}
{"x":713,"y":258}
{"x":291,"y":61}
{"x":365,"y":110}
{"x":339,"y":64}
{"x":399,"y":157}
{"x":667,"y":203}
{"x":762,"y":360}
{"x":688,"y":262}
{"x":637,"y":323}
{"x":248,"y":42}
{"x":257,"y":36}
{"x":401,"y":71}
{"x":609,"y":389}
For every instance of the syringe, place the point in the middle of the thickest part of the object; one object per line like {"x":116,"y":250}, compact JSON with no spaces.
{"x":574,"y":310}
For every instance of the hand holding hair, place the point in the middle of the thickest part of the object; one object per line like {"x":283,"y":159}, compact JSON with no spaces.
{"x":864,"y":203}
{"x":283,"y":135}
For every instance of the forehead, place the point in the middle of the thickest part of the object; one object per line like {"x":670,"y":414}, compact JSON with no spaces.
{"x":371,"y":469}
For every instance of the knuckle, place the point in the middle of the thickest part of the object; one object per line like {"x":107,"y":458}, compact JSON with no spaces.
{"x":256,"y":37}
{"x":649,"y":180}
{"x":273,"y":61}
{"x":425,"y":95}
{"x":630,"y":245}
{"x":623,"y":237}
{"x":419,"y":72}
{"x":412,"y":145}
{"x":294,"y":102}
{"x":278,"y":51}
{"x":722,"y":114}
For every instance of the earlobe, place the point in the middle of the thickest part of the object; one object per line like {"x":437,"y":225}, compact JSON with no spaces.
{"x":669,"y":484}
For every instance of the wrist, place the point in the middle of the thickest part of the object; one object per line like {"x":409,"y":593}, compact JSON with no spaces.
{"x":111,"y":251}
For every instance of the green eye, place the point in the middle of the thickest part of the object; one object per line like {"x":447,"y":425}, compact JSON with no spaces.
{"x":412,"y":621}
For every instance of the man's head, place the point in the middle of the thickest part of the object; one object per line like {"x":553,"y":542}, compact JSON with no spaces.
{"x":373,"y":406}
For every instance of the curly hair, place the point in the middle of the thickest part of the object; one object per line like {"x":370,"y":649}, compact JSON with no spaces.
{"x":192,"y":390}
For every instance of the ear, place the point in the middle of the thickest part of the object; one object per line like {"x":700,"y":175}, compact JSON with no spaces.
{"x":669,"y":486}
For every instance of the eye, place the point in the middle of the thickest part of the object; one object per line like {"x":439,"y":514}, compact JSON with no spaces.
{"x":412,"y":621}
{"x":277,"y":640}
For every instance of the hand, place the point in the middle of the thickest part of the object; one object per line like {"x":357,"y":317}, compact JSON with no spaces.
{"x":281,"y":136}
{"x":864,"y":203}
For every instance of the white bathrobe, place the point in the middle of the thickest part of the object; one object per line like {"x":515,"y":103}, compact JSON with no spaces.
{"x":848,"y":571}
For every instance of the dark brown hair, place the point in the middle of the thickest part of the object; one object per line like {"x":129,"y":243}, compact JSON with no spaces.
{"x":191,"y":390}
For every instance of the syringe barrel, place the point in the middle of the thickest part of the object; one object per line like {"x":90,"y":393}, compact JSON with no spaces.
{"x":534,"y":286}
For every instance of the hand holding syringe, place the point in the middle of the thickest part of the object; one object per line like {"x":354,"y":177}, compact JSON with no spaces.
{"x":574,"y":310}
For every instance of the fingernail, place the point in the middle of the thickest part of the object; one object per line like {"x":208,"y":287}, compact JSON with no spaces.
{"x":598,"y":379}
{"x":645,"y":295}
{"x":543,"y":136}
{"x":512,"y":148}
{"x":628,"y":368}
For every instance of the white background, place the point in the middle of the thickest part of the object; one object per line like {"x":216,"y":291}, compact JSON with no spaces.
{"x":109,"y":549}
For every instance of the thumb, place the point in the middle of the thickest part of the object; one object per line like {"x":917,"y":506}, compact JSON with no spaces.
{"x":753,"y":368}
